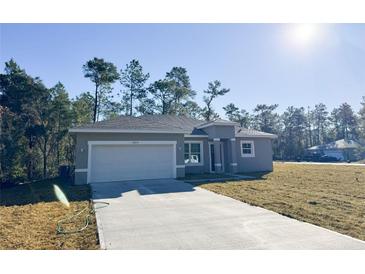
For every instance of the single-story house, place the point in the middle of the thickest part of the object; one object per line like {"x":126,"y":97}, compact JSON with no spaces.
{"x":166,"y":146}
{"x":343,"y":150}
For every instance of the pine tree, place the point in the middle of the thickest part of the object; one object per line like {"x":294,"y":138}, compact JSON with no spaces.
{"x":133,"y":80}
{"x":82,"y":109}
{"x":177,"y":82}
{"x":344,"y":122}
{"x":102,"y":74}
{"x":265,"y":119}
{"x":362,"y":118}
{"x":214,"y":90}
{"x":236,"y":115}
{"x":320,"y":122}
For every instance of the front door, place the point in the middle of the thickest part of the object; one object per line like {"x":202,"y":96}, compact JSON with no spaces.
{"x":212,"y":154}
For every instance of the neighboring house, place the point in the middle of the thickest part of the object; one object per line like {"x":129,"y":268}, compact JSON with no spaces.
{"x":343,"y":150}
{"x":166,"y":146}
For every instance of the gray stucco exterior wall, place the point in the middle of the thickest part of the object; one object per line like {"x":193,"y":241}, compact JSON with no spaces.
{"x":232,"y":159}
{"x":204,"y":168}
{"x":80,"y":178}
{"x":263,"y":156}
{"x":220,"y":131}
{"x":226,"y":152}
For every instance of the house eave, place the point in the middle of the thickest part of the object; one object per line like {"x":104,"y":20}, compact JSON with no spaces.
{"x":92,"y":130}
{"x":257,"y":136}
{"x":216,"y":123}
{"x":195,"y":136}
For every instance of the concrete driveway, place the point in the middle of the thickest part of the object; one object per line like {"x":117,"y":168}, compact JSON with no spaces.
{"x":170,"y":214}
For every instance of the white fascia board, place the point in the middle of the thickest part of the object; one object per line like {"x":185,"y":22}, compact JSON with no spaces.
{"x":258,"y":136}
{"x":132,"y":142}
{"x":195,"y":136}
{"x":92,"y":130}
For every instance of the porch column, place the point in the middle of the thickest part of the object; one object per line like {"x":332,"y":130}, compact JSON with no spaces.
{"x":232,"y":156}
{"x":217,"y":155}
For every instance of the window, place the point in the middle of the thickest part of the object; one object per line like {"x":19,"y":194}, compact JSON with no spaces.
{"x":193,"y":153}
{"x":247,"y":149}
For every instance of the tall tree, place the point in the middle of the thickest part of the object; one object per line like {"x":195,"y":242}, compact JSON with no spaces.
{"x":61,"y":110}
{"x":147,"y":106}
{"x":214,"y":90}
{"x":82,"y":109}
{"x":173,"y":93}
{"x":294,"y":121}
{"x":112,"y":109}
{"x":133,"y":80}
{"x":162,"y":95}
{"x":309,"y":128}
{"x":46,"y":135}
{"x":265,"y":119}
{"x":22,"y":97}
{"x":362,"y":118}
{"x":191,"y":109}
{"x":236,"y":115}
{"x":231,"y":111}
{"x":320,"y":122}
{"x":178,"y":84}
{"x":344,"y":122}
{"x":102,"y":74}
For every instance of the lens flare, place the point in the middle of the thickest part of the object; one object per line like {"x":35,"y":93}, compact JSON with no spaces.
{"x":61,"y":196}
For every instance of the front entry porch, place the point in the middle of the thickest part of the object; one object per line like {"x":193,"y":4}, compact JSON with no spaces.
{"x":222,"y":155}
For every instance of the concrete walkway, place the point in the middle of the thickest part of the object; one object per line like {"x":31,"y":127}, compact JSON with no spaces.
{"x":169,"y":214}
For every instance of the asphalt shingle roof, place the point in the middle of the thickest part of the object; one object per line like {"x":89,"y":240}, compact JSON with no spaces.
{"x":166,"y":123}
{"x":163,"y":123}
{"x":244,"y":132}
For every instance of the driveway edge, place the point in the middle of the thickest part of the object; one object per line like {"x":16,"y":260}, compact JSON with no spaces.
{"x":99,"y":227}
{"x":100,"y":231}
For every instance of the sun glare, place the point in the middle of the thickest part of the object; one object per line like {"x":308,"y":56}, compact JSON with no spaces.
{"x":304,"y":34}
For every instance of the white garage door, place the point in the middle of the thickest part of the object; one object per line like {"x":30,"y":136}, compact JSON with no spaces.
{"x":131,"y":162}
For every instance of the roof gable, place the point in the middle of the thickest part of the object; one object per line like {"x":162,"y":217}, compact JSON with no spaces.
{"x":244,"y":132}
{"x":217,"y":122}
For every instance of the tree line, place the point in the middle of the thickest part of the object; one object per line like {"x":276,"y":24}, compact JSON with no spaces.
{"x":171,"y":95}
{"x":34,"y":119}
{"x":299,"y":128}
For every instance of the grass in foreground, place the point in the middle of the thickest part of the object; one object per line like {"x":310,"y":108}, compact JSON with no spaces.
{"x":29,"y":215}
{"x":329,"y":196}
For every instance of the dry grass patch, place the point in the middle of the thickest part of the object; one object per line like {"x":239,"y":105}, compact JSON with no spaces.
{"x":29,"y":215}
{"x":330,"y":196}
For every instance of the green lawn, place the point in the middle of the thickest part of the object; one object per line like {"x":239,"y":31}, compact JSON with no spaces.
{"x":30,"y":212}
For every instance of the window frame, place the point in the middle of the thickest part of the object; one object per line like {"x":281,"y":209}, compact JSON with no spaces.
{"x":201,"y":153}
{"x":245,"y":155}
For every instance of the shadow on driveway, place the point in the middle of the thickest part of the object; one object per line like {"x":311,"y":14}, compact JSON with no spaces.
{"x":109,"y":190}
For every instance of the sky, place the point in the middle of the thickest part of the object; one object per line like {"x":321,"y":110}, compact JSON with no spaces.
{"x":286,"y":64}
